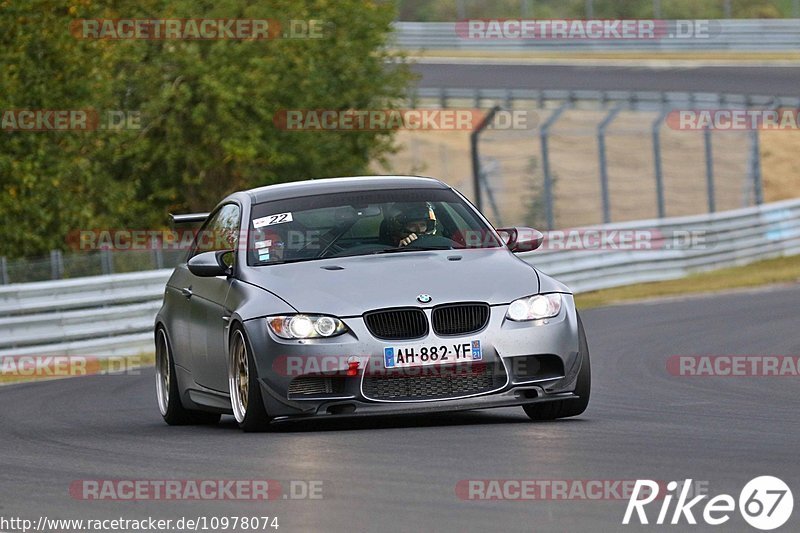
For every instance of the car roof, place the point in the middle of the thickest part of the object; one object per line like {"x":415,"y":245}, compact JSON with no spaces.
{"x":346,"y":184}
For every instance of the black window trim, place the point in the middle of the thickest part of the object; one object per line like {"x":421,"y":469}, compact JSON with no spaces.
{"x":193,"y":249}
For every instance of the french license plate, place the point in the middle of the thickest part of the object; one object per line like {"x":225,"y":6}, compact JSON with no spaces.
{"x":421,"y":355}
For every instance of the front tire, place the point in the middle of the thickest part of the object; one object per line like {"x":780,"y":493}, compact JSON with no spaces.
{"x":246,"y":400}
{"x":167,"y":392}
{"x":583,"y":387}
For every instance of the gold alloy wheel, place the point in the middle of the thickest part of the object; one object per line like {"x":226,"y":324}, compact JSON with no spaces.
{"x":239,"y":376}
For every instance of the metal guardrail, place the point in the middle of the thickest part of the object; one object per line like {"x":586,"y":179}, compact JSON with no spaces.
{"x":725,"y":34}
{"x":589,"y":98}
{"x":98,"y":315}
{"x":729,"y":238}
{"x":113,"y":315}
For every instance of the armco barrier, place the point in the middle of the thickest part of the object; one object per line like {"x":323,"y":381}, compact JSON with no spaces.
{"x":98,"y":315}
{"x":746,"y":35}
{"x":729,"y":238}
{"x":113,"y":315}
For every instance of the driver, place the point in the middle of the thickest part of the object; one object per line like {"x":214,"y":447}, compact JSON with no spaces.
{"x":410,"y":223}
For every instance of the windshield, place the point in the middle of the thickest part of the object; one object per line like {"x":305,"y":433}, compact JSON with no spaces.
{"x":363,"y":223}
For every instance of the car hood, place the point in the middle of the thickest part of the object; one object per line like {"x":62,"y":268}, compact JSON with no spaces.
{"x":350,"y":286}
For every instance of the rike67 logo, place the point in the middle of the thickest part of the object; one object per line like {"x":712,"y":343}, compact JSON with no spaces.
{"x":765,"y":503}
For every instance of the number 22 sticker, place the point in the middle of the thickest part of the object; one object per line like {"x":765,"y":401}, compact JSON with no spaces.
{"x":279,"y":218}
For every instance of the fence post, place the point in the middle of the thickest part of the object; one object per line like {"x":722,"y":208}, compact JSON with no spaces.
{"x":709,"y":170}
{"x":106,"y":262}
{"x":485,"y":173}
{"x":601,"y":145}
{"x":413,"y":99}
{"x":461,"y":9}
{"x":476,"y":161}
{"x":526,"y":8}
{"x":4,"y":271}
{"x":548,"y":179}
{"x":158,"y":256}
{"x":656,"y":133}
{"x":56,"y":265}
{"x":758,"y":188}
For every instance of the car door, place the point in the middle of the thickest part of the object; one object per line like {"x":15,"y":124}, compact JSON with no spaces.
{"x":177,"y":316}
{"x":209,"y":316}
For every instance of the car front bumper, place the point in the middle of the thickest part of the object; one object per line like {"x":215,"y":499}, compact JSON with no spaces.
{"x":509,"y":346}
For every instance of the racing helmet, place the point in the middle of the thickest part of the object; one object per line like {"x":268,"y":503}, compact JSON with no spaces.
{"x":405,"y":214}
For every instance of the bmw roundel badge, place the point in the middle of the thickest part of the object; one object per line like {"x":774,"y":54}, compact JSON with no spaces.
{"x":424,"y":298}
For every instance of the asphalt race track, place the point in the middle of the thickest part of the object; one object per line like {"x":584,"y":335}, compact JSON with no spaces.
{"x":401,"y":474}
{"x":779,"y":81}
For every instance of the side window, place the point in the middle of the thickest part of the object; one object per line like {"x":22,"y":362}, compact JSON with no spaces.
{"x":220,"y":232}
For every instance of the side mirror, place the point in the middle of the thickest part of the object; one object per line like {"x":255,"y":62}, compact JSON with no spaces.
{"x":210,"y":264}
{"x":521,"y":239}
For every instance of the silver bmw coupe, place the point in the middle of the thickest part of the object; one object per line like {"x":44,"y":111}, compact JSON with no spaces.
{"x":376,"y":295}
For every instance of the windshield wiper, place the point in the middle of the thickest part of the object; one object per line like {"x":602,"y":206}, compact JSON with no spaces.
{"x":396,"y":250}
{"x":411,"y":249}
{"x":284,"y":261}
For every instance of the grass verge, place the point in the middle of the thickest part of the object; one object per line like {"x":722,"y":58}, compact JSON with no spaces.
{"x":766,"y":272}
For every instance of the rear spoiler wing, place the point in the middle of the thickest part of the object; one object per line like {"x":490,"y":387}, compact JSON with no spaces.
{"x":188,"y":218}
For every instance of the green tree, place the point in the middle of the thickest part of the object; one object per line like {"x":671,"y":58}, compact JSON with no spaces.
{"x":206,"y":110}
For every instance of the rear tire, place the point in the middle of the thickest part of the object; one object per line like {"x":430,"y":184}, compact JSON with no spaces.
{"x":583,"y":387}
{"x":167,"y":392}
{"x":246,"y":400}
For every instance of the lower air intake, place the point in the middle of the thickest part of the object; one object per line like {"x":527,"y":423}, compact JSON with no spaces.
{"x":437,"y":382}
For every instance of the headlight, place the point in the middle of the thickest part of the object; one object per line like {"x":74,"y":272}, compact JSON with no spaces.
{"x":534,"y":307}
{"x":305,"y":326}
